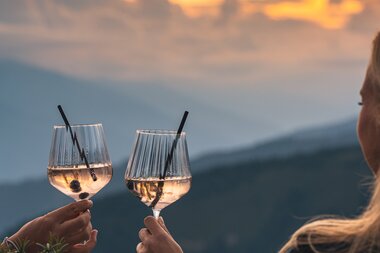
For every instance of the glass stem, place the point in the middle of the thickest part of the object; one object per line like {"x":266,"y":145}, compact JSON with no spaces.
{"x":156,"y":213}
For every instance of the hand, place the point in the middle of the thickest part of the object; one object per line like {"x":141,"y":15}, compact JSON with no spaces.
{"x":71,"y":222}
{"x":88,"y":246}
{"x":155,"y":238}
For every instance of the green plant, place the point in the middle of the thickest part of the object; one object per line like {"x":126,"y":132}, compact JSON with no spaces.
{"x":20,"y":245}
{"x":54,"y":245}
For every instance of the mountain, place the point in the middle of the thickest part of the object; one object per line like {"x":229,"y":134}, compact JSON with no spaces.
{"x":245,"y":207}
{"x":252,"y":206}
{"x":300,"y":142}
{"x":28,"y":110}
{"x":306,"y":141}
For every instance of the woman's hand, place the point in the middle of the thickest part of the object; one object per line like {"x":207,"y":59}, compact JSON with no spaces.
{"x":88,"y":246}
{"x":71,"y":222}
{"x":155,"y":238}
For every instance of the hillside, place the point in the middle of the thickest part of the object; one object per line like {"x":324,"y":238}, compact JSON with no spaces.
{"x":335,"y":135}
{"x":306,"y":141}
{"x":249,"y":207}
{"x":28,"y":110}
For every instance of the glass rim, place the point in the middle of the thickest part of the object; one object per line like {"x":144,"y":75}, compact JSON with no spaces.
{"x":78,"y":125}
{"x":159,"y":132}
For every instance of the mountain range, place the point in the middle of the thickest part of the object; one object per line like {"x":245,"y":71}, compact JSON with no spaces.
{"x":36,"y":192}
{"x":28,"y":110}
{"x":335,"y":135}
{"x":238,"y":195}
{"x":251,"y":206}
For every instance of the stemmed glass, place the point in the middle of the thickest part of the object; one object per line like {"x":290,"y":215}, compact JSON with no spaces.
{"x":79,"y":164}
{"x":158,"y":170}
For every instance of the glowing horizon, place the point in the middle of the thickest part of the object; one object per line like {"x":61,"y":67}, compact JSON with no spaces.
{"x":321,"y":12}
{"x":198,"y":8}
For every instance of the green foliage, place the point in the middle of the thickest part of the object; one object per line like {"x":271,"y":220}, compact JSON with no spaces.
{"x":20,"y":244}
{"x":54,"y":245}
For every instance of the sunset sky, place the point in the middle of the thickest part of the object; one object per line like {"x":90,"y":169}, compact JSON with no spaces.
{"x":288,"y":64}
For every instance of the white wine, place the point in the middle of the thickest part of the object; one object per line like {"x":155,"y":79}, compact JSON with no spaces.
{"x":77,"y":182}
{"x":158,"y":192}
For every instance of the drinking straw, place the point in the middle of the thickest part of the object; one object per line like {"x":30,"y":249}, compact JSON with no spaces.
{"x":169,"y":160}
{"x":170,"y":155}
{"x":75,"y":141}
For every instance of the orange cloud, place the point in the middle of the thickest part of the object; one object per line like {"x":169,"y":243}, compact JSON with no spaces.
{"x":197,"y":8}
{"x":321,"y":12}
{"x":146,"y":43}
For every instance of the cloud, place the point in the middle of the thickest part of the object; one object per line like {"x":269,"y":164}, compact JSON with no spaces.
{"x":289,"y":71}
{"x":326,"y":13}
{"x":322,"y":12}
{"x":245,"y":53}
{"x":198,"y":8}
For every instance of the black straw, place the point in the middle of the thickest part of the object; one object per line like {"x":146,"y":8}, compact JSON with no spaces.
{"x":74,"y":138}
{"x":169,"y":161}
{"x":183,"y":121}
{"x":174,"y":145}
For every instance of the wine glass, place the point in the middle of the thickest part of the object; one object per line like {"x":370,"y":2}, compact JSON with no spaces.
{"x":79,"y":164}
{"x":158,"y":170}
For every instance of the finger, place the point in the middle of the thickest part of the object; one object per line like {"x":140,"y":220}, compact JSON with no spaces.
{"x":140,"y":248}
{"x":75,"y":225}
{"x":90,"y":244}
{"x":144,"y":234}
{"x":79,"y":238}
{"x":152,"y":224}
{"x":162,"y":223}
{"x":70,"y":211}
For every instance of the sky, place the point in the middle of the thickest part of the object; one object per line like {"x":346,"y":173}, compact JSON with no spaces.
{"x":231,"y":48}
{"x":276,"y":66}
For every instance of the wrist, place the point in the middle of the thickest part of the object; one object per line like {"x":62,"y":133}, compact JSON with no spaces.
{"x":17,"y":241}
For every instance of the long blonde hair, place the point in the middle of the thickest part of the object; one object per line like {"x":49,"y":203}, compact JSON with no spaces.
{"x":360,"y":234}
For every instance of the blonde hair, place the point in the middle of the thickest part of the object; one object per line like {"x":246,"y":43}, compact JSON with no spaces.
{"x":360,"y":234}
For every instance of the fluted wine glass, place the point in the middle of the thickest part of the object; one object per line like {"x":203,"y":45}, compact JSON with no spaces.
{"x":158,"y":170}
{"x":79,"y":164}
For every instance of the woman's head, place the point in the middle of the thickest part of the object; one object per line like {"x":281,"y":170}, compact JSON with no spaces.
{"x":362,"y":233}
{"x":369,"y":118}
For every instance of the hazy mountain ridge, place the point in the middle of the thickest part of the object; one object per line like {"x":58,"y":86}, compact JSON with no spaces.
{"x":36,"y":86}
{"x":246,"y":207}
{"x":27,"y":129}
{"x":306,"y":141}
{"x":251,"y":206}
{"x":122,"y":108}
{"x":300,"y":142}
